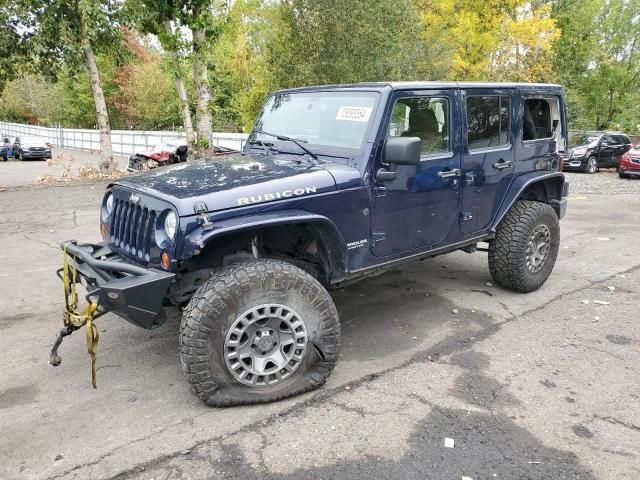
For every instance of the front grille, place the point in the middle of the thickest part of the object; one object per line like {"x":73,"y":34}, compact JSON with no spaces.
{"x":132,"y":228}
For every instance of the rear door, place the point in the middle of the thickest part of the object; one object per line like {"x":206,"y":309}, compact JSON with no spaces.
{"x":488,"y":156}
{"x":622,"y":146}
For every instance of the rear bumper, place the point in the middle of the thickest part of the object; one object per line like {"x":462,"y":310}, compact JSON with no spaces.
{"x":130,"y":291}
{"x":560,"y":205}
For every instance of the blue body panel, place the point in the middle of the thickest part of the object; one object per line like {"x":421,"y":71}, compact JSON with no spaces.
{"x":375,"y":223}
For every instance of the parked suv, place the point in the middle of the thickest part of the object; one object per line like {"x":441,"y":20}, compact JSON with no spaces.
{"x":32,"y":148}
{"x":336,"y":183}
{"x":589,"y":151}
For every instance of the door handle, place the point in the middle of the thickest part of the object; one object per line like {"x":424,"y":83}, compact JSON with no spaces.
{"x":449,"y":173}
{"x":501,"y":165}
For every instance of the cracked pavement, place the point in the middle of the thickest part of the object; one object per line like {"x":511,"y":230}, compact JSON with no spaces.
{"x":528,"y":386}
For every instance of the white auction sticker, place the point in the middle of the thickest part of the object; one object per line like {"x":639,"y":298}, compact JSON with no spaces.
{"x":354,"y":114}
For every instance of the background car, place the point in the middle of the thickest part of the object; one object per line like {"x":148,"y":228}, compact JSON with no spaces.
{"x":589,"y":151}
{"x":14,"y":143}
{"x":166,"y":153}
{"x":32,"y":148}
{"x":630,"y":163}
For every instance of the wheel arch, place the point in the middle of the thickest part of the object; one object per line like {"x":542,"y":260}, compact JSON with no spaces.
{"x":549,"y":188}
{"x":331,"y":246}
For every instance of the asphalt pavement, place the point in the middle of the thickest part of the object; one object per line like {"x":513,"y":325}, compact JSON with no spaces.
{"x":536,"y":386}
{"x":64,"y":163}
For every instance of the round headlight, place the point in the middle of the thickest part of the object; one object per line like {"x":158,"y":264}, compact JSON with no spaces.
{"x":170,"y":224}
{"x":108,"y":205}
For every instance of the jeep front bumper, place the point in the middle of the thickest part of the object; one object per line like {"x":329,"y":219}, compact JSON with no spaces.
{"x":133,"y":292}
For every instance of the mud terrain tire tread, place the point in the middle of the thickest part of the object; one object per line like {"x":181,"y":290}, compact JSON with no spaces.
{"x":507,"y":253}
{"x":213,"y":308}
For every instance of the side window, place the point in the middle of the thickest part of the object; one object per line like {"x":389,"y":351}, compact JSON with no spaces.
{"x":609,"y":140}
{"x":423,"y":117}
{"x":488,"y":121}
{"x":536,"y":119}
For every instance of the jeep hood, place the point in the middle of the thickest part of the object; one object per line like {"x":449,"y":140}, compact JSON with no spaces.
{"x":233,"y":181}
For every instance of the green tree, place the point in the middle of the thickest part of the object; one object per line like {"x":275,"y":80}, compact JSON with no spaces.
{"x":342,"y":42}
{"x":67,"y":34}
{"x":158,"y":17}
{"x":598,"y":60}
{"x":150,"y":95}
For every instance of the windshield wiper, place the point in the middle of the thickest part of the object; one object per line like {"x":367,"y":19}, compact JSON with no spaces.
{"x":268,"y":147}
{"x":297,"y":141}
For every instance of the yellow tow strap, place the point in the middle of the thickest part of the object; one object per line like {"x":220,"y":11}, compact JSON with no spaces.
{"x":73,"y":319}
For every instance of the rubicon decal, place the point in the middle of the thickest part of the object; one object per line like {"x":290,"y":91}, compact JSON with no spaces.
{"x":297,"y":192}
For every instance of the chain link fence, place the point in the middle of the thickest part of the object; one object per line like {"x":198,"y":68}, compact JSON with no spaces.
{"x":125,"y":142}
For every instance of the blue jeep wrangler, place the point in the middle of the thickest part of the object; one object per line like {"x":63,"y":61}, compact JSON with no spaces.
{"x":335,"y":183}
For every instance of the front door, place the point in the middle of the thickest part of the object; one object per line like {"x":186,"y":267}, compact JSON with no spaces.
{"x":606,"y":151}
{"x":488,"y":159}
{"x":418,"y":208}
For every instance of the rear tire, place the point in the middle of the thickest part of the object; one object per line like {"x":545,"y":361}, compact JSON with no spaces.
{"x":258,"y":331}
{"x":524,"y":252}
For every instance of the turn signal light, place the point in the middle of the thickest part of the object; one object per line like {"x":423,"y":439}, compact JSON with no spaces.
{"x":165,"y":261}
{"x":104,"y":230}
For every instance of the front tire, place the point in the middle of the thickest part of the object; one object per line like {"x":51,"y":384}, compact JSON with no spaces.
{"x":258,"y":331}
{"x":592,"y":165}
{"x":524,"y":252}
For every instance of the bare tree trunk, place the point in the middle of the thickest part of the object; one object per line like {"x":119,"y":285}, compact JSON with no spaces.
{"x":201,"y":82}
{"x":185,"y":112}
{"x":107,"y":164}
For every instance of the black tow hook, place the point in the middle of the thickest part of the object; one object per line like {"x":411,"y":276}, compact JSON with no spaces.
{"x":54,"y":358}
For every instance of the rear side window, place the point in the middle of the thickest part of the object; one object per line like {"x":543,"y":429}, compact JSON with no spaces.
{"x":536,"y":119}
{"x":488,"y":121}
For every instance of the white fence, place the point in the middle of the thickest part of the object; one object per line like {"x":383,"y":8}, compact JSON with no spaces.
{"x":125,"y":142}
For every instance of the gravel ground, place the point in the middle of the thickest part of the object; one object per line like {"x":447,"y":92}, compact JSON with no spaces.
{"x":605,"y":181}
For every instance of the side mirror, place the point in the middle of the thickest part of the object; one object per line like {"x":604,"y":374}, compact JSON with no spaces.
{"x":604,"y":143}
{"x":403,"y":150}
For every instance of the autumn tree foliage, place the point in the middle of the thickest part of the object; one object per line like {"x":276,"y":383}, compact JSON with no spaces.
{"x":203,"y":65}
{"x":500,"y":40}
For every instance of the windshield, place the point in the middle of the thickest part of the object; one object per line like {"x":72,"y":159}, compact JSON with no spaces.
{"x":326,"y":119}
{"x":580,"y":140}
{"x":37,"y":141}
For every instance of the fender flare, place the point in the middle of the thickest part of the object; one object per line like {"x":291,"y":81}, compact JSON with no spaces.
{"x":522,"y":182}
{"x":324,"y":229}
